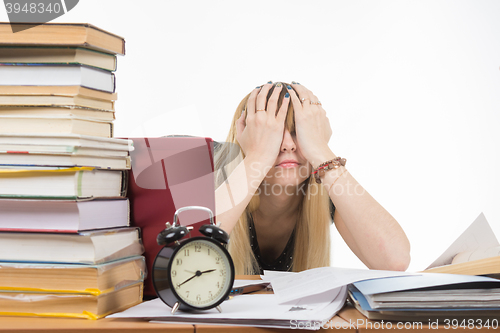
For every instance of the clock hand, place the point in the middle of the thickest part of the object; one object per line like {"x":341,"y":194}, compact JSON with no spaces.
{"x":198,"y":273}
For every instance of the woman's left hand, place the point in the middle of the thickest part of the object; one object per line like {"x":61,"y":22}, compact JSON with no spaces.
{"x":311,"y":125}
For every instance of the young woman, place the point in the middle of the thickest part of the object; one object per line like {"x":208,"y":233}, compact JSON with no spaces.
{"x":275,"y":197}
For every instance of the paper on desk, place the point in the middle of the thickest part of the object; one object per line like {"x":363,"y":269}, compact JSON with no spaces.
{"x":248,"y":310}
{"x":268,"y":275}
{"x":319,"y":280}
{"x":478,"y":235}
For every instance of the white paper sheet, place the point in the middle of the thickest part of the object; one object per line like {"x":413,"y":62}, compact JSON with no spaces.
{"x":478,"y":235}
{"x":261,"y":310}
{"x":319,"y":280}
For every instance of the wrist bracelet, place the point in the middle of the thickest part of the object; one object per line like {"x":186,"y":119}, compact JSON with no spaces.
{"x":320,"y":171}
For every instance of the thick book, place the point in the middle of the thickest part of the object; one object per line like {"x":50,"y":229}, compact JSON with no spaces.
{"x":70,"y":140}
{"x":56,"y":124}
{"x":63,"y":34}
{"x":482,"y":266}
{"x":71,"y":278}
{"x":47,"y":91}
{"x":57,"y":55}
{"x":35,"y":111}
{"x":61,"y":183}
{"x":72,"y":305}
{"x":56,"y":75}
{"x":475,"y":252}
{"x":62,"y":215}
{"x":49,"y":149}
{"x":88,"y":247}
{"x":64,"y":159}
{"x":55,"y":100}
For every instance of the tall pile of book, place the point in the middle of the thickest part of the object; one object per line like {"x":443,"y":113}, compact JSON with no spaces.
{"x":66,"y":248}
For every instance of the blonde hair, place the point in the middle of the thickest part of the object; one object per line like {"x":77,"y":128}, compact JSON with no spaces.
{"x":312,"y":231}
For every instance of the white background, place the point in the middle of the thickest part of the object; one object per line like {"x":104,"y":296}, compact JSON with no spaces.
{"x":412,"y":91}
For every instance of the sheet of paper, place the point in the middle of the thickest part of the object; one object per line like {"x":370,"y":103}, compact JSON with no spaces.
{"x":319,"y":280}
{"x":268,"y":275}
{"x":478,"y":235}
{"x":302,"y":312}
{"x":253,"y":310}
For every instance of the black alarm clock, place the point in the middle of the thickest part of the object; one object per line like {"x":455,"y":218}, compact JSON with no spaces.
{"x":195,"y":273}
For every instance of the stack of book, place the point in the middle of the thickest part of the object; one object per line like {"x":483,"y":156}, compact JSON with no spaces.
{"x":66,"y":248}
{"x":429,"y":296}
{"x":461,"y":286}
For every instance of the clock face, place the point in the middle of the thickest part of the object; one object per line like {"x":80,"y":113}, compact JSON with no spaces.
{"x":201,"y":273}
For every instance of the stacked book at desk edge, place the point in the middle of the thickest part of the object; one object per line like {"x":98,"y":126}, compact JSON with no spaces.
{"x":425,"y":297}
{"x":66,"y":248}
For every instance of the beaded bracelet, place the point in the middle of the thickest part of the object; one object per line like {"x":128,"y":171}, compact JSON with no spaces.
{"x":328,"y":165}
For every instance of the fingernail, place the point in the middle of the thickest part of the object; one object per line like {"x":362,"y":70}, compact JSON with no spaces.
{"x":270,"y":82}
{"x":293,"y":82}
{"x":258,"y":87}
{"x":287,"y":95}
{"x":297,"y":82}
{"x":278,"y":84}
{"x":289,"y":87}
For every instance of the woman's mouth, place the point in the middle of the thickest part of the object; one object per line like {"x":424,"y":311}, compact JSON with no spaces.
{"x":288,"y":164}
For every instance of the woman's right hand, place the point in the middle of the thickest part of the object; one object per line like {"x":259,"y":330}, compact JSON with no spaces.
{"x":260,"y":131}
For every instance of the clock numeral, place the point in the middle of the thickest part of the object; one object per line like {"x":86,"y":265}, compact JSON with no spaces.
{"x":222,"y":272}
{"x":217,"y":260}
{"x":187,"y":293}
{"x":208,"y":251}
{"x":218,"y":285}
{"x":210,"y":293}
{"x":198,"y":297}
{"x":186,"y":253}
{"x":178,"y":262}
{"x":174,"y":273}
{"x":197,"y":248}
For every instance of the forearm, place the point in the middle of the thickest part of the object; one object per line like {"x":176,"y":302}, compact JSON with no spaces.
{"x":378,"y":237}
{"x":369,"y":230}
{"x":233,"y":195}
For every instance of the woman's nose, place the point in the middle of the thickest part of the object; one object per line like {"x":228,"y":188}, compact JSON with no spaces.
{"x":288,"y":143}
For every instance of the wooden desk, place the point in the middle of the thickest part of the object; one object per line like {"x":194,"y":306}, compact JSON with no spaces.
{"x":333,"y":323}
{"x":351,"y":315}
{"x":60,"y":325}
{"x":345,"y":321}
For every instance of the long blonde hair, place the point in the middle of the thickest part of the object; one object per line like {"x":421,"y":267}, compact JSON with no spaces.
{"x":312,"y":231}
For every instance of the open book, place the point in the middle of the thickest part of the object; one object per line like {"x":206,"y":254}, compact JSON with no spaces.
{"x":475,"y":252}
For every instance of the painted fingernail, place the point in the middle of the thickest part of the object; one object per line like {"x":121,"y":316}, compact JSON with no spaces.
{"x":297,"y":82}
{"x":293,"y":82}
{"x":287,"y":95}
{"x":278,"y":84}
{"x":289,"y":87}
{"x":270,"y":82}
{"x":258,"y":87}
